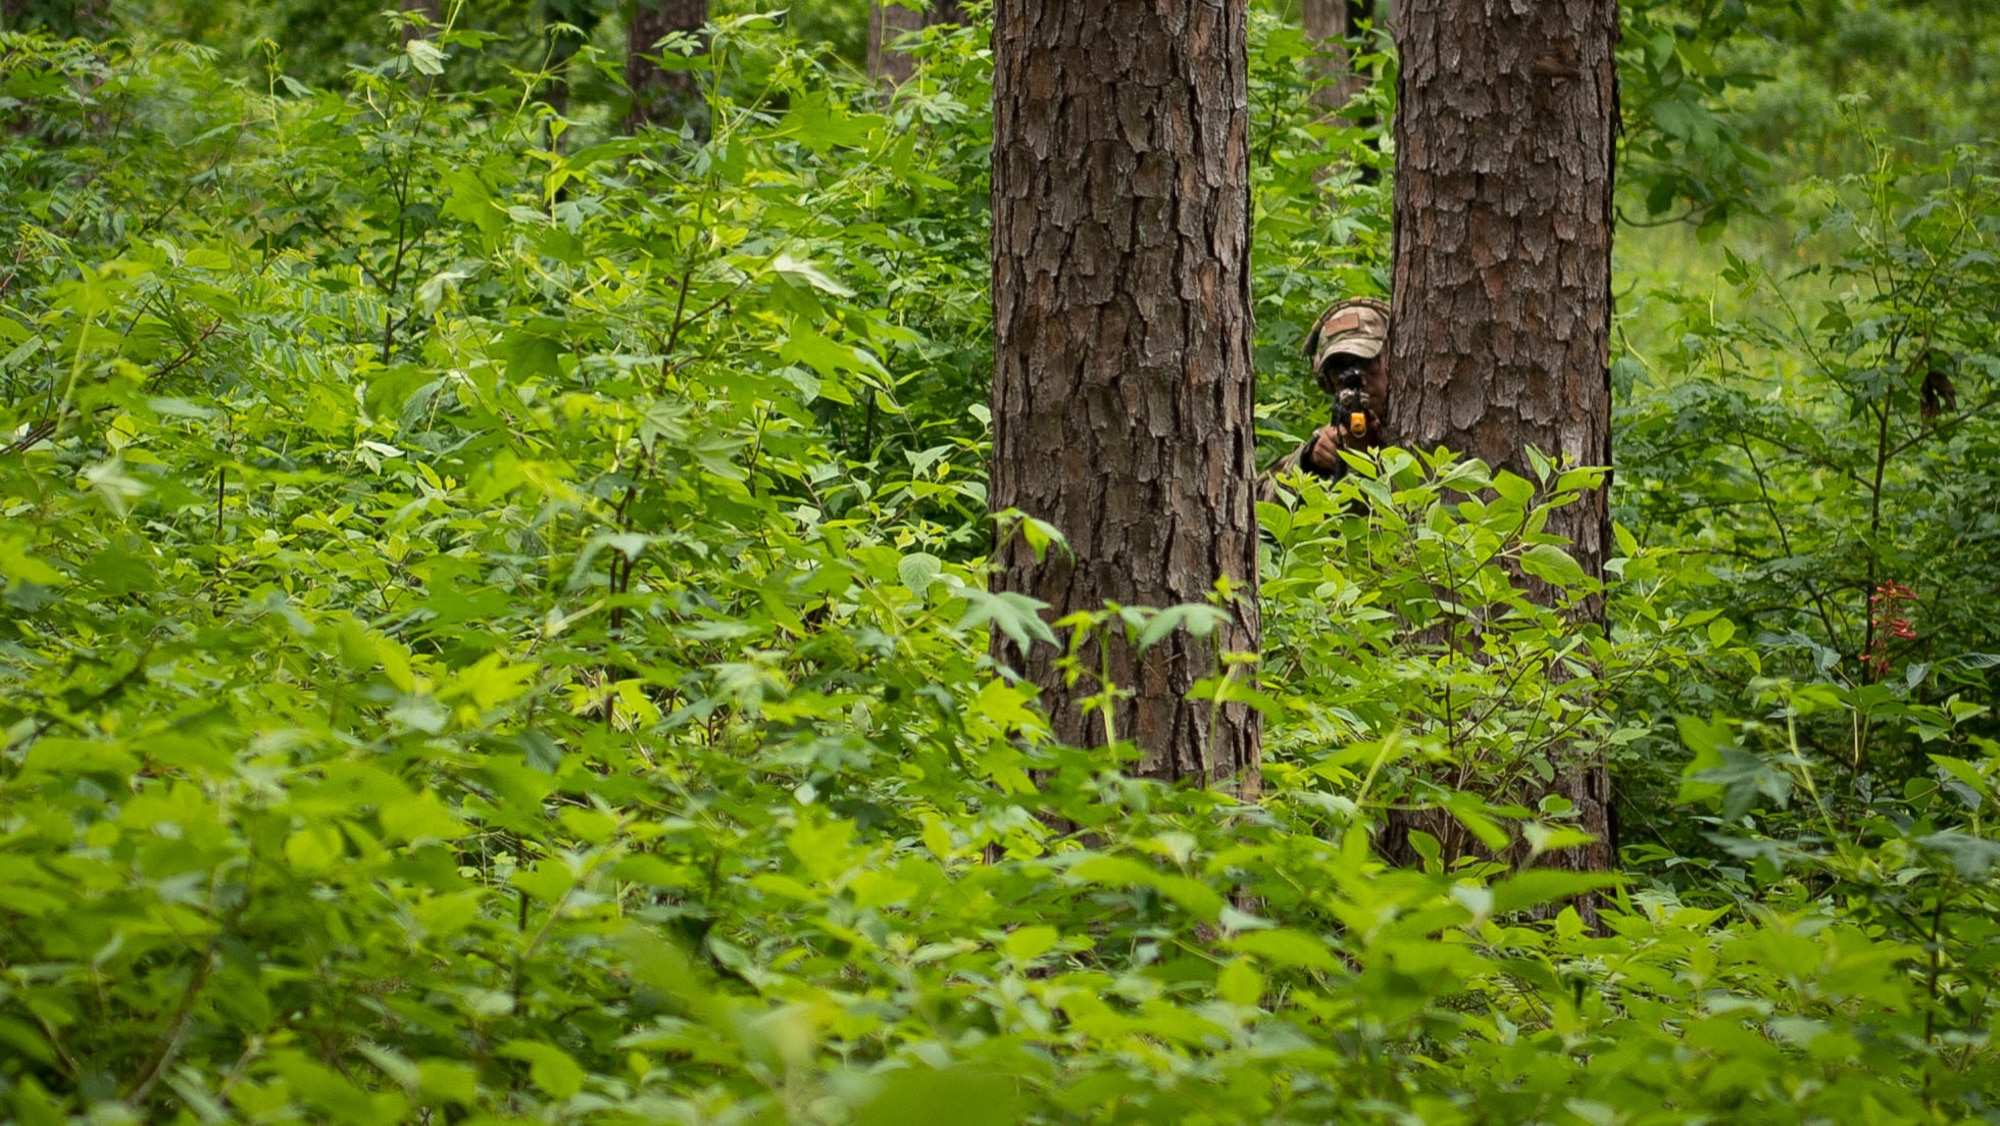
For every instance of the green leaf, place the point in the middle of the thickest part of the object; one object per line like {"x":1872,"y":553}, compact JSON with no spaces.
{"x":1240,"y":984}
{"x":1513,"y":487}
{"x":1286,"y":948}
{"x":1031,"y":942}
{"x":117,"y":488}
{"x":1015,"y":615}
{"x":1552,"y":565}
{"x":20,"y":564}
{"x":440,"y":1080}
{"x":809,"y":274}
{"x":425,"y":56}
{"x":423,"y":817}
{"x":1199,"y":619}
{"x":314,"y":849}
{"x":964,"y":1095}
{"x":549,"y":1067}
{"x":918,"y":571}
{"x":1547,"y":885}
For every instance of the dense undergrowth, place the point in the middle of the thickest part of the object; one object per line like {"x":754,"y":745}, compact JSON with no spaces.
{"x":495,"y":631}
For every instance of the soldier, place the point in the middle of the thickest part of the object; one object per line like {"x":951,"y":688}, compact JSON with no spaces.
{"x":1345,"y":347}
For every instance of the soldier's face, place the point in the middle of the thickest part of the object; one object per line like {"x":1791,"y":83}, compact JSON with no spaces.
{"x":1375,"y":380}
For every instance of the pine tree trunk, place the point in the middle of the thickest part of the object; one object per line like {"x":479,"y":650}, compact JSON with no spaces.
{"x":432,"y":10}
{"x":1122,"y":392}
{"x":659,"y":97}
{"x":1506,"y":123}
{"x":887,"y":21}
{"x":1328,"y":23}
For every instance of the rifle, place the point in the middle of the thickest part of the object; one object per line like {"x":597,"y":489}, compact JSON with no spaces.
{"x":1351,"y":406}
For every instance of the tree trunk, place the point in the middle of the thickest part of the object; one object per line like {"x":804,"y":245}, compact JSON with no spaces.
{"x":89,"y":19}
{"x":1328,"y":23}
{"x":1122,"y":390}
{"x":659,"y":97}
{"x":1506,"y":122}
{"x":432,"y":10}
{"x":886,"y":21}
{"x":563,"y":45}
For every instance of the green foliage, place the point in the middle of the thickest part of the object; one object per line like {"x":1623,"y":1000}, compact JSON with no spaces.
{"x":1400,"y":625}
{"x":1833,"y":458}
{"x":1927,"y":71}
{"x":493,"y":629}
{"x":1682,"y":154}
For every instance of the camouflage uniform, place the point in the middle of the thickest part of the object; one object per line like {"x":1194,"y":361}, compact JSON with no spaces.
{"x":1356,"y":327}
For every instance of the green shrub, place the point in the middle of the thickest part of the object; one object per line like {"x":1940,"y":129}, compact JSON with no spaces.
{"x":467,"y":657}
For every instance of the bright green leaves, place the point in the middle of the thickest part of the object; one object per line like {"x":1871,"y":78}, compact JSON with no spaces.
{"x":1538,"y":886}
{"x":550,"y":1068}
{"x":425,"y":57}
{"x":805,"y":345}
{"x":314,"y":849}
{"x":19,"y":563}
{"x":1552,"y":565}
{"x":1029,"y":943}
{"x":1287,"y":948}
{"x":919,"y":570}
{"x":422,"y":818}
{"x":1012,"y":613}
{"x":489,"y":682}
{"x":1190,"y":894}
{"x":550,"y":677}
{"x":821,"y":125}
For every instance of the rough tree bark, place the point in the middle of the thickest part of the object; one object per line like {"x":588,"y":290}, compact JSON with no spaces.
{"x":1506,"y":122}
{"x":1122,"y":391}
{"x":886,"y":21}
{"x":659,"y":97}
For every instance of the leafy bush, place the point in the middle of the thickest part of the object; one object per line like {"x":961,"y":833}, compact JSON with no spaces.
{"x":1833,"y":459}
{"x":495,"y":631}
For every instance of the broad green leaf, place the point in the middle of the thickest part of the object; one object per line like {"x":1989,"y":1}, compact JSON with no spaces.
{"x":1552,"y":565}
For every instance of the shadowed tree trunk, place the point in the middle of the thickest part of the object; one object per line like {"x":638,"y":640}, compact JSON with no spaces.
{"x":564,"y":42}
{"x":1122,"y":391}
{"x":1506,"y":120}
{"x":1328,"y":23}
{"x":886,"y":21}
{"x":659,"y":97}
{"x":87,"y":18}
{"x":431,"y":10}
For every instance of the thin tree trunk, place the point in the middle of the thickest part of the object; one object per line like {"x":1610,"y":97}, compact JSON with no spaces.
{"x":431,"y":10}
{"x":1122,"y":393}
{"x":563,"y":46}
{"x":886,"y":21}
{"x":89,"y":19}
{"x":660,"y":97}
{"x":1328,"y":23}
{"x":1506,"y":123}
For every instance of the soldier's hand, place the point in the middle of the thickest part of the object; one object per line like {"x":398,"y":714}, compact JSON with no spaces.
{"x":1325,"y":451}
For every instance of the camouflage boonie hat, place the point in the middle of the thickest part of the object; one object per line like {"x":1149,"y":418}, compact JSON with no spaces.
{"x":1358,"y":326}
